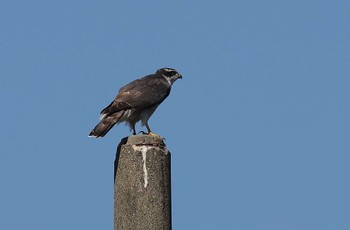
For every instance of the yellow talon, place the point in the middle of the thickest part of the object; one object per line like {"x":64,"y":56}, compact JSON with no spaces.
{"x":155,"y":135}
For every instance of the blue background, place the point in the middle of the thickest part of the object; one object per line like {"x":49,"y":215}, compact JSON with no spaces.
{"x":258,"y":127}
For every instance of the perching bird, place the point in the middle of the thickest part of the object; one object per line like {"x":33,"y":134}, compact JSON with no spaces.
{"x":137,"y":101}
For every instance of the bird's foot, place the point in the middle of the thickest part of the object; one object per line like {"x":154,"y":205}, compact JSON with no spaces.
{"x":151,"y":134}
{"x":156,"y":135}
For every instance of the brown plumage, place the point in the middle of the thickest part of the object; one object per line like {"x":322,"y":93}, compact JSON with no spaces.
{"x":136,"y":101}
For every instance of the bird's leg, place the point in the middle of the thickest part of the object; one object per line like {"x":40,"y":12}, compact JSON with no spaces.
{"x":156,"y":142}
{"x":148,"y":129}
{"x":150,"y":132}
{"x":133,"y":129}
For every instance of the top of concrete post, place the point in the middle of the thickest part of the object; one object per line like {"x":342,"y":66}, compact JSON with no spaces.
{"x":143,"y":140}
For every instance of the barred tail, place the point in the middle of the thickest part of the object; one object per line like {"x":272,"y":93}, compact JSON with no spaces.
{"x":102,"y":128}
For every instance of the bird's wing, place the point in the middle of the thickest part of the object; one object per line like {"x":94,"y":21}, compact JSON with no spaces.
{"x":139,"y":94}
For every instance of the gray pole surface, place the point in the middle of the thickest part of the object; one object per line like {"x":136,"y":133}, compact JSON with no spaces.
{"x":142,"y":184}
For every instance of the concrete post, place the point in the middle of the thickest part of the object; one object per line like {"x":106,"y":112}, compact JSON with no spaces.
{"x":142,"y":198}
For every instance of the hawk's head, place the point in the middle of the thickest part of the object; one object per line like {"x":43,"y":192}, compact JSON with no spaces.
{"x":170,"y":74}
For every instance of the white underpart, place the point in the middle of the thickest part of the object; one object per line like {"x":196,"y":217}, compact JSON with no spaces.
{"x":143,"y":150}
{"x":146,"y":114}
{"x":127,"y":114}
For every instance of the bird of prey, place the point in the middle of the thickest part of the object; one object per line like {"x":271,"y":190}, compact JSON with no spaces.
{"x":137,"y":101}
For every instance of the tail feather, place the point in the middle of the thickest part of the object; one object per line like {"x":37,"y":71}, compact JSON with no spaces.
{"x":102,"y":128}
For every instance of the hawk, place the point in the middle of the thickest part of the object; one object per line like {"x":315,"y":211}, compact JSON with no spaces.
{"x":137,"y":101}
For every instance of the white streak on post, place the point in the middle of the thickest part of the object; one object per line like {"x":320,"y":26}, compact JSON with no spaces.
{"x":143,"y":150}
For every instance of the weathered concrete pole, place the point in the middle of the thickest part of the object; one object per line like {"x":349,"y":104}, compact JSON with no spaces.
{"x":142,"y":198}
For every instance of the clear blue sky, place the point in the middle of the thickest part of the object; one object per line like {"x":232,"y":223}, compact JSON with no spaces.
{"x":258,"y":127}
